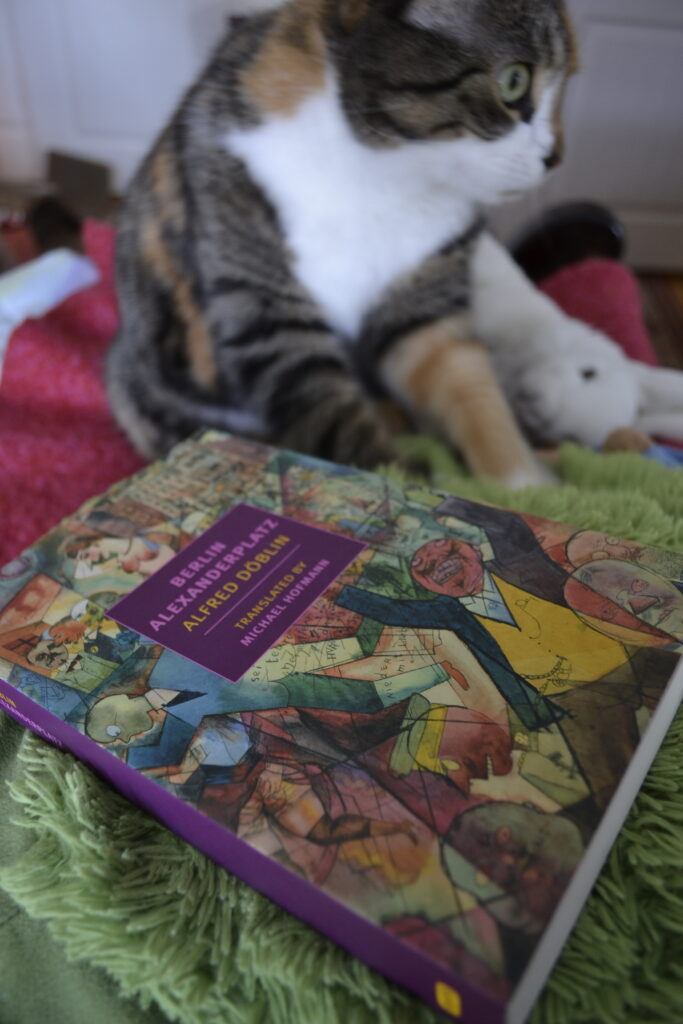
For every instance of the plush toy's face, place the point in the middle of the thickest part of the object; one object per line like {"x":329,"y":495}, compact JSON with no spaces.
{"x":582,"y":392}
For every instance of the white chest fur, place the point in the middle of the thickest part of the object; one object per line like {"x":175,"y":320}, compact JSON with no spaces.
{"x":355,"y":218}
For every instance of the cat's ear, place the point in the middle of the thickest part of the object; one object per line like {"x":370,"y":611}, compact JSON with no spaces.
{"x":433,"y":16}
{"x":350,"y":12}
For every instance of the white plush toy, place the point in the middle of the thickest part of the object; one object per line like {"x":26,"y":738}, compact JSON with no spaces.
{"x":565,"y":380}
{"x":587,"y":388}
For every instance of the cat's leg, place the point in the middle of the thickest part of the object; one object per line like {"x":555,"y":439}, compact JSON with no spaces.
{"x":254,"y":358}
{"x":297,"y":379}
{"x":447,"y":379}
{"x":277,"y":380}
{"x":280,"y":374}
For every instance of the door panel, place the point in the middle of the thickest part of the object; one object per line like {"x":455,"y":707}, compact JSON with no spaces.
{"x":18,"y":148}
{"x":103,"y":77}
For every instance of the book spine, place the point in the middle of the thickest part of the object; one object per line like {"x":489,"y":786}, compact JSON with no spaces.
{"x":15,"y":705}
{"x":435,"y":985}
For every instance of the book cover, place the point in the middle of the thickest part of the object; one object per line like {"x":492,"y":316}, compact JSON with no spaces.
{"x":415,"y":721}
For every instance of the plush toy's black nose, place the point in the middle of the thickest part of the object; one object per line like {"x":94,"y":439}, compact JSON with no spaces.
{"x":552,"y":159}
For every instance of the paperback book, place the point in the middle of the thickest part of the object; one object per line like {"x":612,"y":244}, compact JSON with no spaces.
{"x":414,"y":721}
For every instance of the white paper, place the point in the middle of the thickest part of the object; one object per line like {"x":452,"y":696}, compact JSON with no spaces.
{"x":34,"y":288}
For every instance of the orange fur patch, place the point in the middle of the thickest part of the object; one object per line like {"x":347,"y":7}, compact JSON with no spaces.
{"x":165,"y":186}
{"x":198,"y":343}
{"x":291,"y":64}
{"x":352,"y":11}
{"x":572,"y":45}
{"x":444,"y":375}
{"x":436,"y":343}
{"x":572,"y":67}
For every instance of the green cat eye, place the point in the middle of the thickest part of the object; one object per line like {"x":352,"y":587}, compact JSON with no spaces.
{"x":513,"y":82}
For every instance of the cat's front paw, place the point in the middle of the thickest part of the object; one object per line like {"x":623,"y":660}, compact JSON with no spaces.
{"x":538,"y":474}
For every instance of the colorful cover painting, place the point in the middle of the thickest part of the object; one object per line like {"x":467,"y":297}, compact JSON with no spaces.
{"x":418,"y":758}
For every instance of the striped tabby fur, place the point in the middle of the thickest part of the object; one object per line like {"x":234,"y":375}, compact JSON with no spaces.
{"x":299,"y":238}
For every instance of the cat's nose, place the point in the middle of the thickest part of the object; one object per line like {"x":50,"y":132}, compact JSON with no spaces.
{"x":552,"y":159}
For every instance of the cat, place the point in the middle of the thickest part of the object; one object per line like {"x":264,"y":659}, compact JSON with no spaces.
{"x":306,"y":233}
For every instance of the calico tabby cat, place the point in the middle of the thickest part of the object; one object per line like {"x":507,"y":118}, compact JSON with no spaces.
{"x":305,"y":234}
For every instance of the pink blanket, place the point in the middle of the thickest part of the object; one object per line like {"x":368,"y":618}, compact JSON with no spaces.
{"x":58,"y":442}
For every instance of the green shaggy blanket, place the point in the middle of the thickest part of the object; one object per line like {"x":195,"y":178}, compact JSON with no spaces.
{"x":107,"y":916}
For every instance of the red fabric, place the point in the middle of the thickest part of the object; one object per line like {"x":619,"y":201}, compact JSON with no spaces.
{"x":604,"y":294}
{"x":58,"y":442}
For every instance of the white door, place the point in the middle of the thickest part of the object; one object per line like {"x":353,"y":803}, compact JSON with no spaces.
{"x":98,"y":77}
{"x":19,"y":153}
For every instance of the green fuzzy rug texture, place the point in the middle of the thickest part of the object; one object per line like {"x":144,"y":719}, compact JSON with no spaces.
{"x":173,"y":929}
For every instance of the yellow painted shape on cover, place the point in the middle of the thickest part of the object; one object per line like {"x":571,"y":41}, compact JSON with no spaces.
{"x":393,"y":859}
{"x":448,"y":999}
{"x":553,"y":648}
{"x":427,"y":754}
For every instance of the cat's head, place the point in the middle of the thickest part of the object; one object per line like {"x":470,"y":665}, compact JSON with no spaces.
{"x":483,"y":77}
